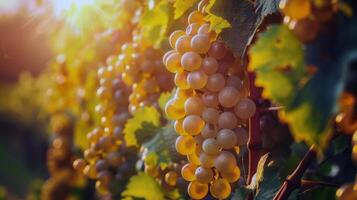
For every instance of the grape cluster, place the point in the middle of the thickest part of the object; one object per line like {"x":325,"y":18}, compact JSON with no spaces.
{"x":59,"y":157}
{"x":303,"y":17}
{"x":105,"y":159}
{"x":141,"y":69}
{"x":211,"y":107}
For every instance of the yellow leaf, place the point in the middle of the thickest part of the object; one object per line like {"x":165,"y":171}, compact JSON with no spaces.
{"x":164,"y":98}
{"x":143,"y":186}
{"x":181,"y":6}
{"x":146,"y":114}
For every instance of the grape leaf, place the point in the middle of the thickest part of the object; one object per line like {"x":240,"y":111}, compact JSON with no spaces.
{"x":154,"y":22}
{"x":163,"y":145}
{"x":181,"y":6}
{"x":217,"y":23}
{"x":309,"y":101}
{"x":147,"y":114}
{"x":143,"y":186}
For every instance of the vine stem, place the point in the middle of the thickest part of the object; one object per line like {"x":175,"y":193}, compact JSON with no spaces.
{"x":294,"y":181}
{"x":254,"y":141}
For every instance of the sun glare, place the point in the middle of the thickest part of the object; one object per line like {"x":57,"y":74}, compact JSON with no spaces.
{"x":61,"y":6}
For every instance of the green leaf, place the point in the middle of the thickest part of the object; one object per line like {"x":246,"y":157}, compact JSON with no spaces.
{"x":163,"y":146}
{"x":217,"y":23}
{"x":154,"y":22}
{"x":143,"y":186}
{"x":181,"y":6}
{"x":147,"y":114}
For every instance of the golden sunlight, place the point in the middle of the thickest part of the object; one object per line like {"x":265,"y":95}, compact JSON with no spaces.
{"x":61,"y":6}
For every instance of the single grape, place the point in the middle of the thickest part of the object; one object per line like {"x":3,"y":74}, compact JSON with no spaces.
{"x":226,"y":138}
{"x":184,"y":94}
{"x":197,"y":79}
{"x":245,"y":108}
{"x":173,"y":63}
{"x":210,"y":115}
{"x":220,"y":188}
{"x":191,"y":61}
{"x":217,"y":50}
{"x":195,"y":17}
{"x":193,"y":124}
{"x":183,"y":44}
{"x":205,"y":29}
{"x":228,"y":97}
{"x":197,"y":190}
{"x":209,"y":65}
{"x":234,"y":81}
{"x":210,"y":99}
{"x":225,"y":162}
{"x":204,"y":175}
{"x":227,"y":120}
{"x":194,"y":106}
{"x":174,"y":37}
{"x":200,"y":43}
{"x":171,"y":178}
{"x":210,"y":146}
{"x":188,"y":172}
{"x":185,"y":144}
{"x":215,"y":82}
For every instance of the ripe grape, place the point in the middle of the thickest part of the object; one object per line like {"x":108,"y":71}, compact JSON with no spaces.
{"x":185,"y":144}
{"x":204,"y":175}
{"x":228,"y":97}
{"x":210,"y":146}
{"x":173,"y":63}
{"x":225,"y":161}
{"x":174,"y":37}
{"x":209,"y":65}
{"x":227,"y":120}
{"x":183,"y":44}
{"x":215,"y":82}
{"x":220,"y":188}
{"x":197,"y":80}
{"x":193,"y":158}
{"x":210,"y":115}
{"x":245,"y":108}
{"x":178,"y":126}
{"x":188,"y":172}
{"x":210,"y":99}
{"x":200,"y":43}
{"x":191,"y":61}
{"x":193,"y":124}
{"x":197,"y":190}
{"x":226,"y":138}
{"x":194,"y":106}
{"x":217,"y":50}
{"x":192,"y":29}
{"x":234,"y":81}
{"x":171,"y":178}
{"x":174,"y":109}
{"x":195,"y":17}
